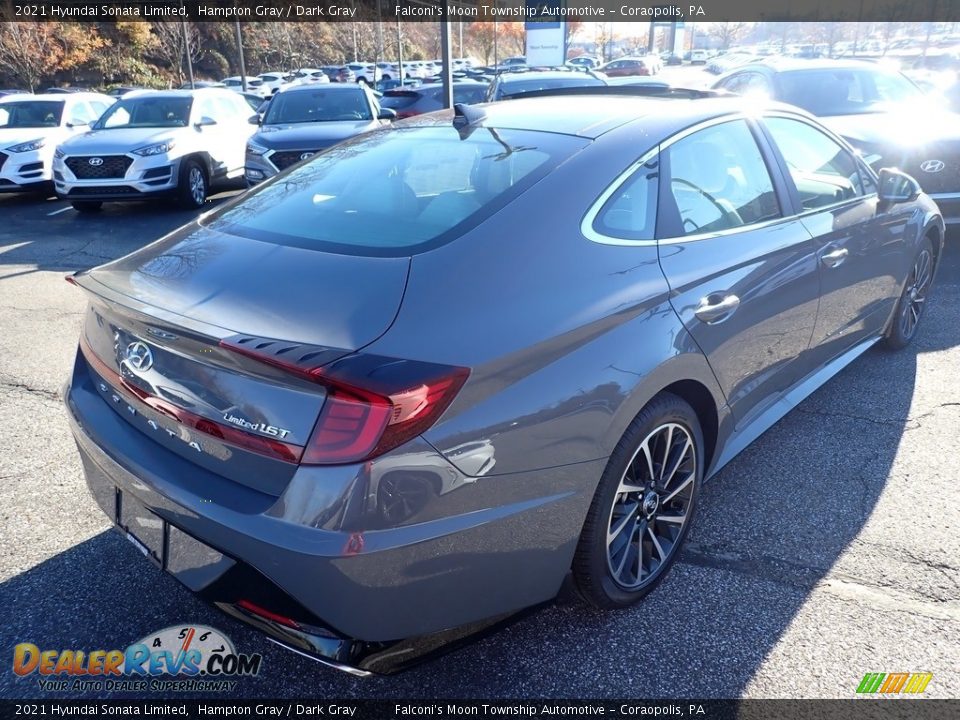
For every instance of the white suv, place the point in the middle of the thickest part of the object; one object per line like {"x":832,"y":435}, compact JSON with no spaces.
{"x":31,"y":127}
{"x":151,"y":143}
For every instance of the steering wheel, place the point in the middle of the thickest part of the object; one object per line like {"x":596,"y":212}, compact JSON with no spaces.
{"x":730,"y":216}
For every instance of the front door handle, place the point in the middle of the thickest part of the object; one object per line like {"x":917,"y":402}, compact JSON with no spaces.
{"x":715,"y":308}
{"x":834,"y":257}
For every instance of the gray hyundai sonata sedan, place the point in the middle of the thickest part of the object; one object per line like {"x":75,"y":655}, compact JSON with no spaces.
{"x":400,"y":392}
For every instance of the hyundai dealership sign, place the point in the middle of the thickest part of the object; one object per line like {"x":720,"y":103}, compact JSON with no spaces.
{"x":546,"y":33}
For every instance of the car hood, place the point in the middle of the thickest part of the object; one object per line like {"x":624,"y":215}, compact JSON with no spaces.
{"x":15,"y":136}
{"x":105,"y":142}
{"x":905,"y":127}
{"x":293,"y":137}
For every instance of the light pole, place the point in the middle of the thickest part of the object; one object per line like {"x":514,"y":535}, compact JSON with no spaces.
{"x":243,"y":66}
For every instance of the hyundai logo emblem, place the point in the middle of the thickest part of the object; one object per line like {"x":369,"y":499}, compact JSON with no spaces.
{"x":138,"y":356}
{"x":304,"y":156}
{"x":932,"y":166}
{"x":95,"y":161}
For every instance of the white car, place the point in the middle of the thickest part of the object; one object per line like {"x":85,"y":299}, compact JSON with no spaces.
{"x":698,"y":57}
{"x":273,"y":81}
{"x":156,"y":143}
{"x":366,"y":72}
{"x":254,"y":85}
{"x":31,"y":127}
{"x":309,"y":75}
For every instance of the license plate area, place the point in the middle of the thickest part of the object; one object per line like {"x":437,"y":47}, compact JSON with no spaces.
{"x":146,"y":531}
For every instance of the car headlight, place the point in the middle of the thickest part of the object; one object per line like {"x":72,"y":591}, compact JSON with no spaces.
{"x":28,"y":146}
{"x":256,"y":149}
{"x":155,"y":149}
{"x":59,"y":153}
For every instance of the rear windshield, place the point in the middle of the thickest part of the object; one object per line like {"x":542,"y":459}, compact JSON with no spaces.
{"x":847,"y":91}
{"x":398,"y":100}
{"x":398,"y":191}
{"x":31,"y":114}
{"x":310,"y":106}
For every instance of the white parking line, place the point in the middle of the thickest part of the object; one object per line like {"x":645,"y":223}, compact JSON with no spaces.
{"x":57,"y":212}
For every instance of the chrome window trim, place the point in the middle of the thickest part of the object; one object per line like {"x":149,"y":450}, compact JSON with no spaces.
{"x":586,"y":225}
{"x":837,"y":139}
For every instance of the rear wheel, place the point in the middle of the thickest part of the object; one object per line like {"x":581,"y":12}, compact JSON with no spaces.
{"x":913,"y":299}
{"x":192,"y":188}
{"x":86,"y":206}
{"x":643,"y":506}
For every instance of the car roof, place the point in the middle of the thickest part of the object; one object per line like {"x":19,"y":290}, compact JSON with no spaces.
{"x":661,"y":116}
{"x":790,"y":64}
{"x":603,"y":113}
{"x":326,"y":87}
{"x":196,"y":92}
{"x":58,"y":97}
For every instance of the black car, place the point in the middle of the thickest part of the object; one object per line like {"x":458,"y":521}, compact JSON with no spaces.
{"x":514,"y":83}
{"x":878,"y":110}
{"x":407,"y":102}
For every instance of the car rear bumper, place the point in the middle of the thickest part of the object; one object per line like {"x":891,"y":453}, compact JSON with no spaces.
{"x":347,"y":593}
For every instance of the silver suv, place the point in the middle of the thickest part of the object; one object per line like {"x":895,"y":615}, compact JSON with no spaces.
{"x":170,"y":143}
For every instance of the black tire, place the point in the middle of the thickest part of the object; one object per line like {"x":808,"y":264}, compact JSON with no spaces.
{"x":913,"y":300}
{"x":86,"y":206}
{"x":598,"y":582}
{"x":192,"y":186}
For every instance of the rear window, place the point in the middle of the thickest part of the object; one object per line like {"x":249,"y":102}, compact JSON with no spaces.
{"x":398,"y":191}
{"x":398,"y":100}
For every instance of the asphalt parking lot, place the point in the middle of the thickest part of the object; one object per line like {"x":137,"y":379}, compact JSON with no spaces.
{"x":830,"y":548}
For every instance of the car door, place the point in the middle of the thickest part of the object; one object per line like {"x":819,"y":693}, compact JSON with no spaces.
{"x":860,"y":250}
{"x":742,"y":272}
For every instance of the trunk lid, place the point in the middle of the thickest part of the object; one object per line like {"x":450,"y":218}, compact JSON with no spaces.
{"x":164,"y":326}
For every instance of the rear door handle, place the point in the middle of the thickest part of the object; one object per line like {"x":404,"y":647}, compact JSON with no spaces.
{"x":834,"y":257}
{"x":716,"y":308}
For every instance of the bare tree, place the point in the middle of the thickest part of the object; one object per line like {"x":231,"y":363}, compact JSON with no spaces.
{"x":169,"y":46}
{"x":33,"y":51}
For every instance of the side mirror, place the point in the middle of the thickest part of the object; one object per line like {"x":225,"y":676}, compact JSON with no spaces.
{"x":387,"y":114}
{"x":255,"y":119}
{"x":897,"y":187}
{"x":206,"y":121}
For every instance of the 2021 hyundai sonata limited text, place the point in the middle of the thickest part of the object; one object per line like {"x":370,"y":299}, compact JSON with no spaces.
{"x":403,"y":390}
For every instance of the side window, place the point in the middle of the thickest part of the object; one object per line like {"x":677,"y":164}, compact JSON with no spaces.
{"x":719,"y":180}
{"x":206,"y":108}
{"x":823,"y":171}
{"x":98,"y":108}
{"x":631,"y":212}
{"x":80,"y":113}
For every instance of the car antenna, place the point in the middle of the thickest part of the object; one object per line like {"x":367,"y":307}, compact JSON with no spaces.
{"x":464,"y":114}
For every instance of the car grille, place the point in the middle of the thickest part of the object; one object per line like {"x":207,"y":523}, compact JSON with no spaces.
{"x":104,"y":190}
{"x":946,"y":180}
{"x":283,"y":160}
{"x":3,"y":159}
{"x":114,"y":166}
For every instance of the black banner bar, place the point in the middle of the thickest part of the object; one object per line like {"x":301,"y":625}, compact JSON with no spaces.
{"x":862,"y":709}
{"x":479,"y":10}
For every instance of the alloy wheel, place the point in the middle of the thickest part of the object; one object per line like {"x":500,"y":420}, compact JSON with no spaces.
{"x":651,"y":506}
{"x":915,"y":293}
{"x":198,"y":186}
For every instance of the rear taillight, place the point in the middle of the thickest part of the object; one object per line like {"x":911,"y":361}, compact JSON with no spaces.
{"x":373,"y":403}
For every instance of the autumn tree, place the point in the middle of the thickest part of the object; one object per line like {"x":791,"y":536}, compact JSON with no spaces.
{"x":31,"y":52}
